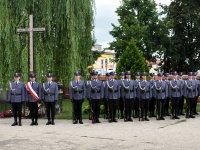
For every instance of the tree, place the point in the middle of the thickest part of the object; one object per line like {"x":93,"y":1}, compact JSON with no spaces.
{"x":138,"y":19}
{"x":132,"y":59}
{"x":64,"y":48}
{"x":183,"y":22}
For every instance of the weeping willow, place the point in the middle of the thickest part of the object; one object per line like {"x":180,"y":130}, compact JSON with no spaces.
{"x":62,"y":49}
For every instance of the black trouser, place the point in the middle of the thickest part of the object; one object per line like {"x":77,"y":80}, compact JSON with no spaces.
{"x":136,"y":107}
{"x":50,"y":110}
{"x":95,"y":109}
{"x":195,"y":105}
{"x":160,"y":107}
{"x":190,"y":106}
{"x":17,"y":111}
{"x":77,"y":110}
{"x":121,"y":106}
{"x":128,"y":108}
{"x":167,"y":106}
{"x":181,"y":104}
{"x":175,"y":106}
{"x":105,"y":103}
{"x":152,"y":104}
{"x":33,"y":107}
{"x":112,"y":108}
{"x":144,"y":107}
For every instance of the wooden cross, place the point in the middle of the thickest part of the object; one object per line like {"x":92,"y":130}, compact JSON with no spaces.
{"x":31,"y":30}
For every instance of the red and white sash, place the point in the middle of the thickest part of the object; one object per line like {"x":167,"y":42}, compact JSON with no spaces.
{"x":33,"y":94}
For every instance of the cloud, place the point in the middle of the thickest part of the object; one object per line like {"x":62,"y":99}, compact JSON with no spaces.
{"x":105,"y":16}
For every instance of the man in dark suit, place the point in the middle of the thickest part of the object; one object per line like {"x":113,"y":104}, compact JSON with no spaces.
{"x":50,"y":97}
{"x":16,"y":96}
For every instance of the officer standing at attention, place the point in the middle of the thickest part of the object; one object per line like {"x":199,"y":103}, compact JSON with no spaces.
{"x":161,"y":92}
{"x":190,"y":92}
{"x":121,"y":99}
{"x":16,"y":96}
{"x":182,"y":99}
{"x":50,"y":97}
{"x":33,"y":102}
{"x":105,"y":101}
{"x":77,"y":92}
{"x":166,"y":79}
{"x":152,"y":101}
{"x":129,"y":95}
{"x":145,"y":95}
{"x":175,"y":88}
{"x":112,"y":92}
{"x":137,"y":96}
{"x":94,"y":95}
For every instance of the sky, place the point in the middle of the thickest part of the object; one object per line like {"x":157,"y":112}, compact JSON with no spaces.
{"x":105,"y":15}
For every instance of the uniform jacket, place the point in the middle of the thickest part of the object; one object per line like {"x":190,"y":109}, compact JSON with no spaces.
{"x":16,"y":93}
{"x":94,"y":90}
{"x":145,"y":92}
{"x":37,"y":88}
{"x":160,"y":89}
{"x":50,"y":92}
{"x":77,"y":90}
{"x":112,"y":89}
{"x":128,"y":89}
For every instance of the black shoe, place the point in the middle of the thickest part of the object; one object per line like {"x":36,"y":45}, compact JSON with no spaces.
{"x":36,"y":124}
{"x":110,"y":121}
{"x":32,"y":123}
{"x":176,"y":117}
{"x":93,"y":121}
{"x":146,"y":119}
{"x":122,"y":117}
{"x":114,"y":120}
{"x":80,"y":122}
{"x":168,"y":115}
{"x":48,"y":123}
{"x":142,"y":119}
{"x":75,"y":122}
{"x":20,"y":124}
{"x":191,"y":116}
{"x":182,"y":114}
{"x":14,"y":124}
{"x":53,"y":123}
{"x":130,"y":120}
{"x":162,"y":118}
{"x":98,"y":121}
{"x":196,"y":113}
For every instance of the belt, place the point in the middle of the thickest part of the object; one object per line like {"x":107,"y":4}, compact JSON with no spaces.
{"x":15,"y":94}
{"x":49,"y":94}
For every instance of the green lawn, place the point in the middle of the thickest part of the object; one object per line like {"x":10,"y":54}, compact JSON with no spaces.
{"x":67,"y":109}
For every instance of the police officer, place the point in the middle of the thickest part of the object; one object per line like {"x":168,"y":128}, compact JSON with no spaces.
{"x":94,"y":95}
{"x":145,"y":95}
{"x":16,"y":96}
{"x":175,"y":92}
{"x":182,"y":99}
{"x":105,"y":101}
{"x":112,"y":92}
{"x":166,"y":79}
{"x":77,"y":91}
{"x":50,"y":97}
{"x":121,"y":99}
{"x":152,"y":101}
{"x":161,"y":92}
{"x":128,"y":92}
{"x":190,"y":92}
{"x":137,"y":96}
{"x":33,"y":103}
{"x":197,"y":96}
